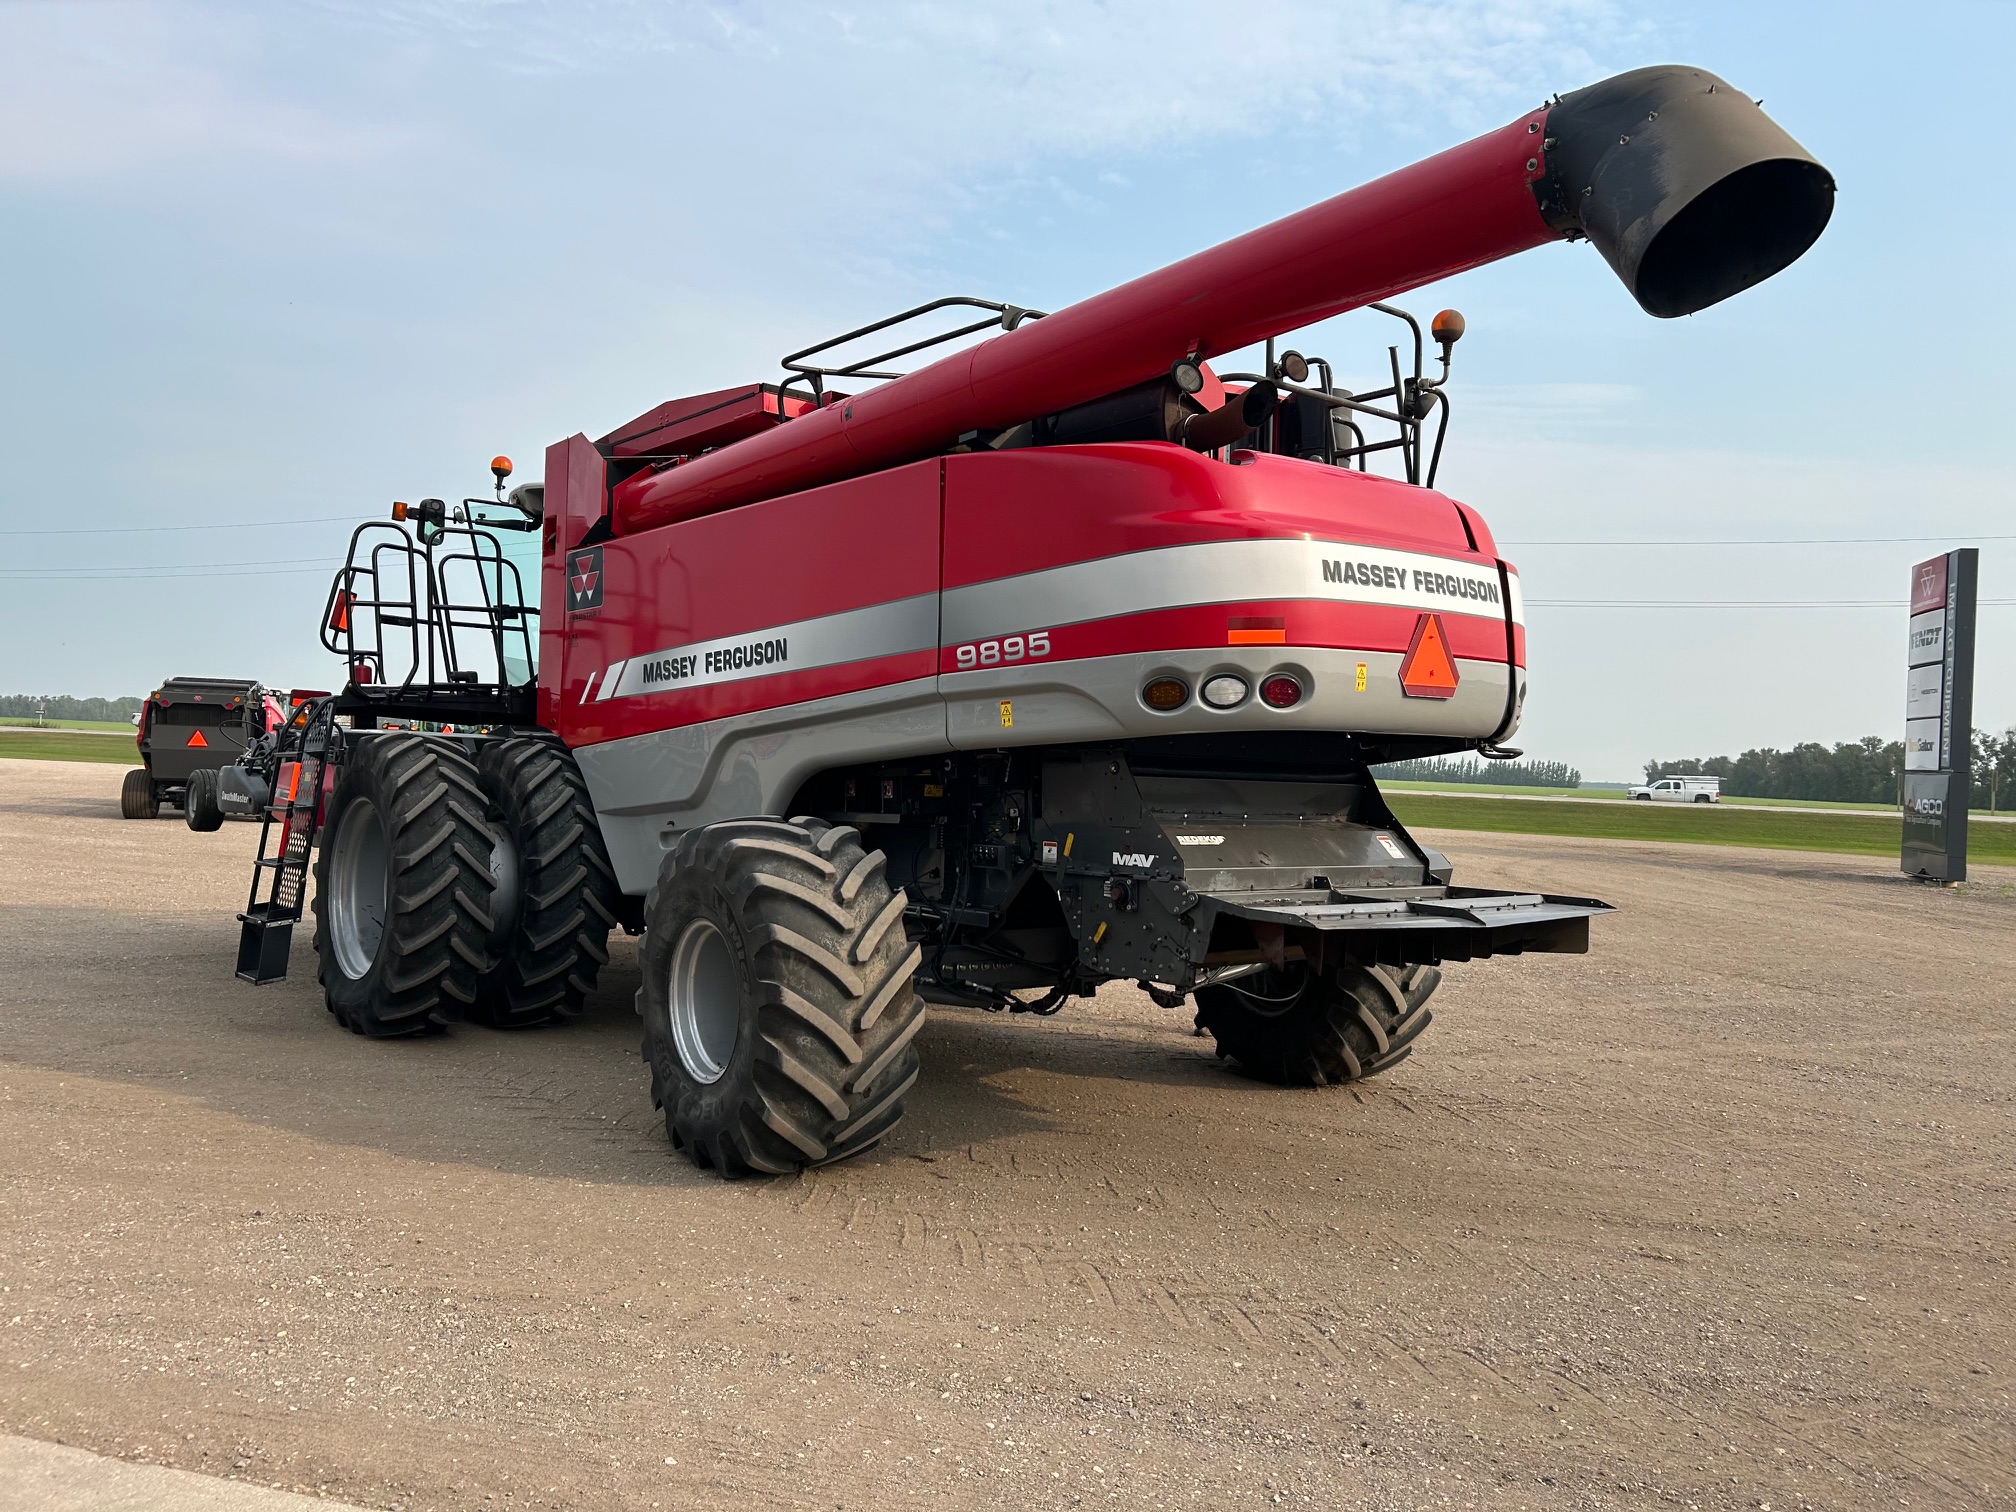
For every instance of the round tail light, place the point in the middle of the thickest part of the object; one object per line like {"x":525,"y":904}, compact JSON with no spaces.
{"x":1225,"y":692}
{"x":1165,"y":694}
{"x":1281,"y":691}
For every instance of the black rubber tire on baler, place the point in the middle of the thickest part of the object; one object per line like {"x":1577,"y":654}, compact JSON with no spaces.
{"x":136,"y":796}
{"x":200,"y":810}
{"x":812,"y":1042}
{"x":427,"y":956}
{"x":555,"y":909}
{"x":1299,"y":1028}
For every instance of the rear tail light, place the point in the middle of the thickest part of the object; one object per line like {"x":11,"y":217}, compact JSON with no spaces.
{"x":1225,"y":692}
{"x":1165,"y":694}
{"x":1281,"y":691}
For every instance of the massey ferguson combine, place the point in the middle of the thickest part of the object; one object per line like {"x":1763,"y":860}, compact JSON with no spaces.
{"x":1063,"y":659}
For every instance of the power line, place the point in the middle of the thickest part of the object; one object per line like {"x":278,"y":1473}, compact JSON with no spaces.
{"x":151,"y":529}
{"x":325,"y":570}
{"x":1781,"y":541}
{"x":155,"y":569}
{"x":352,"y":519}
{"x":1738,"y":603}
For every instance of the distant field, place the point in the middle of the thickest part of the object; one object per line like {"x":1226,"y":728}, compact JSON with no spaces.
{"x":1690,"y":824}
{"x":28,"y":721}
{"x":66,"y":745}
{"x":1618,"y":795}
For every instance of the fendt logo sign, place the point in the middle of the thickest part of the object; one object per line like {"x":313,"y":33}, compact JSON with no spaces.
{"x":584,"y":580}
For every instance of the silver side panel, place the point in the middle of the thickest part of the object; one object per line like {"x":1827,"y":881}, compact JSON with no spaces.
{"x":1211,"y":572}
{"x":831,"y":640}
{"x":650,"y":788}
{"x":1099,"y":698}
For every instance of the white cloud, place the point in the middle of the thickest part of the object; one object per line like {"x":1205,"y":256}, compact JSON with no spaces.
{"x":92,"y":90}
{"x":1004,"y":80}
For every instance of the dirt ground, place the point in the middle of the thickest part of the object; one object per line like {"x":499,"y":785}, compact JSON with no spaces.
{"x":1719,"y":1215}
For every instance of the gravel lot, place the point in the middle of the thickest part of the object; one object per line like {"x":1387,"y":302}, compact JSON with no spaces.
{"x":1719,"y":1215}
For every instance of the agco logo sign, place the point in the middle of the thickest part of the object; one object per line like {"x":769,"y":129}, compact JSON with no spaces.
{"x":584,"y":579}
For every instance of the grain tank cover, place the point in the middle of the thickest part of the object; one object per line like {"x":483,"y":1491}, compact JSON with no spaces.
{"x":1686,"y":187}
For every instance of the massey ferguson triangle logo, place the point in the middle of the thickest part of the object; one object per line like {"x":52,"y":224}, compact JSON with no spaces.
{"x":584,"y":580}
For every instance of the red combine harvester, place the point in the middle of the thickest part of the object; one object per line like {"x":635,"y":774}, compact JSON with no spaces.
{"x":1061,"y":660}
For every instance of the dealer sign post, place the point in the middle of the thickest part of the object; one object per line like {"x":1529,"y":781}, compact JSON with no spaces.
{"x":1939,"y":717}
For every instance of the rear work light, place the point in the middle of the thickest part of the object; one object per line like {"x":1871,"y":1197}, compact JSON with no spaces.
{"x":1281,"y":691}
{"x":1165,"y":694}
{"x":1225,"y":692}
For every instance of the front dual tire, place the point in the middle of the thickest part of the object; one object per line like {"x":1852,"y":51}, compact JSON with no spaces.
{"x":779,"y":1016}
{"x":458,"y":887}
{"x":403,"y":886}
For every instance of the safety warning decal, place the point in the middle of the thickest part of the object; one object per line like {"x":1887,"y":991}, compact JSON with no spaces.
{"x":1428,"y":670}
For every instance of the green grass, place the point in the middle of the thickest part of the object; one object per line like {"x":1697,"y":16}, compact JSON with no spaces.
{"x":123,"y":726}
{"x":66,"y":745}
{"x":1493,"y":790}
{"x":1691,"y":824}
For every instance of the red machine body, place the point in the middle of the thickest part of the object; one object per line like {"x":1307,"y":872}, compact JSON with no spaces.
{"x":920,"y":562}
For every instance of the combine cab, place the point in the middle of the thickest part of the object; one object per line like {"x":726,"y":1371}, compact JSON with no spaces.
{"x":190,"y":727}
{"x":1063,"y":659}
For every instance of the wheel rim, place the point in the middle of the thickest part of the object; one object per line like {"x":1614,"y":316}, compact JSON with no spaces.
{"x":359,"y":888}
{"x":704,"y":1001}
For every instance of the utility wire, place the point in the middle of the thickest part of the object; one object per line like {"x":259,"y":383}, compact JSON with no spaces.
{"x":1780,"y":541}
{"x":325,"y":570}
{"x":156,"y":569}
{"x":1738,"y":603}
{"x":149,"y":529}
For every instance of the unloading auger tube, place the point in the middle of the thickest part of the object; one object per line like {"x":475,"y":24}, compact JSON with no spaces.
{"x":1686,"y":187}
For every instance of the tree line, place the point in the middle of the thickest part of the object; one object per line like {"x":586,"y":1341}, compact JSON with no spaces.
{"x":28,"y":705}
{"x":1869,"y":770}
{"x":1553,"y":774}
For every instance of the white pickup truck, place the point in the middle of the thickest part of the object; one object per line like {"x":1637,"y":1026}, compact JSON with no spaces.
{"x":1679,"y":790}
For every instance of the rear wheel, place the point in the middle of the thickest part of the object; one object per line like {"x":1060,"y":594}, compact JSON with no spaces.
{"x":199,"y":803}
{"x":555,"y":898}
{"x":779,"y":1016}
{"x":402,"y":886}
{"x":1302,"y":1028}
{"x":136,"y":796}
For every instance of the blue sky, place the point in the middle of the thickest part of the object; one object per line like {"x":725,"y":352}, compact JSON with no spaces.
{"x":284,"y":261}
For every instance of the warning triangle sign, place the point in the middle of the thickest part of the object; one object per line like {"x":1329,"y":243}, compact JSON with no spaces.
{"x":196,"y":739}
{"x":1428,"y":670}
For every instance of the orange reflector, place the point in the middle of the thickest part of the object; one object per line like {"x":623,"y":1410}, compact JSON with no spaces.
{"x":1256,"y":632}
{"x":196,"y":738}
{"x":339,"y":612}
{"x":1428,"y":671}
